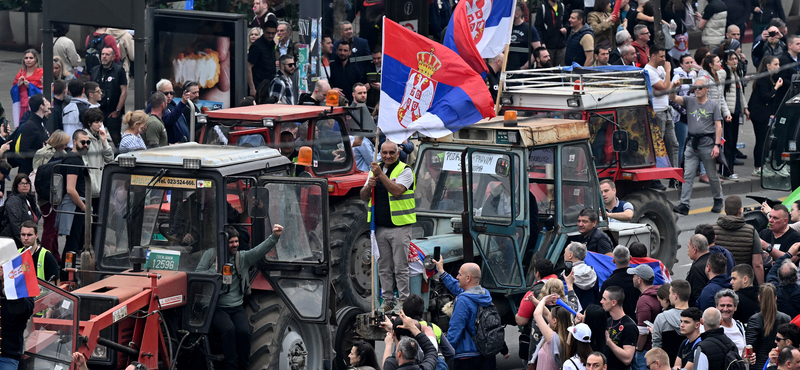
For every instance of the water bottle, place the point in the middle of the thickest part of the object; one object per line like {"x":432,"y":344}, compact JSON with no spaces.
{"x":740,"y":145}
{"x":672,"y":27}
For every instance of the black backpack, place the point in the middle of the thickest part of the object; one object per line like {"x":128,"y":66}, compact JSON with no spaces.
{"x":732,"y":361}
{"x":93,"y":50}
{"x":44,"y":178}
{"x":489,"y":334}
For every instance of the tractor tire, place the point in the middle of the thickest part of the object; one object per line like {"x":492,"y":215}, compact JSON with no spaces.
{"x":345,"y":335}
{"x":654,"y":209}
{"x":351,"y":252}
{"x":278,"y":339}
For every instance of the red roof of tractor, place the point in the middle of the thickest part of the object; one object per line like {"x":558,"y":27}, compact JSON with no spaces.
{"x":279,"y":112}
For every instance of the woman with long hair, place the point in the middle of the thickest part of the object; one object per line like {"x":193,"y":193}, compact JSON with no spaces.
{"x":765,"y":101}
{"x":553,"y":325}
{"x":20,"y":206}
{"x":579,"y":347}
{"x":603,"y":24}
{"x":663,"y":296}
{"x":763,"y":326}
{"x":597,"y":319}
{"x":734,"y":99}
{"x":60,"y":72}
{"x":253,"y":35}
{"x":31,"y":73}
{"x":362,"y":357}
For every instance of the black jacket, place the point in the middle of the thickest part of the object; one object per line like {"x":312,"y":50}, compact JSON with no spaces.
{"x":770,"y":9}
{"x":764,"y":95}
{"x":788,"y":295}
{"x":32,"y":137}
{"x":739,"y":11}
{"x":549,"y":25}
{"x":14,"y":315}
{"x":715,"y":345}
{"x":622,"y":279}
{"x":614,"y":56}
{"x":697,"y":277}
{"x":56,"y":120}
{"x":428,"y":361}
{"x":748,"y":303}
{"x":762,"y":344}
{"x":18,"y":211}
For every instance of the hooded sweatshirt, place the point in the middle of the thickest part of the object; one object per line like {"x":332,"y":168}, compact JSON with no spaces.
{"x":748,"y":303}
{"x":465,"y":310}
{"x":667,"y":332}
{"x":714,"y":285}
{"x":647,"y":309}
{"x":585,"y":285}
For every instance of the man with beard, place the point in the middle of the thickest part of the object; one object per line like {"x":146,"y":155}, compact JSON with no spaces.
{"x":261,"y":57}
{"x":113,"y":81}
{"x":32,"y":134}
{"x":155,"y":133}
{"x":70,"y":224}
{"x":601,"y":55}
{"x":595,"y":239}
{"x":542,"y":58}
{"x":359,"y":48}
{"x":344,"y":74}
{"x":281,"y":85}
{"x":325,"y":64}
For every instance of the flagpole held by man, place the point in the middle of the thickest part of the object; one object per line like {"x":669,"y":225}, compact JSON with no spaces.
{"x":19,"y":287}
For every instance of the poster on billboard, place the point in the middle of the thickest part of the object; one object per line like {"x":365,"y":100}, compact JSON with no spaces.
{"x":310,"y":38}
{"x":200,"y":51}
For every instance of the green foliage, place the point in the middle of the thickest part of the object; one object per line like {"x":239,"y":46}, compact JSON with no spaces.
{"x":34,"y":6}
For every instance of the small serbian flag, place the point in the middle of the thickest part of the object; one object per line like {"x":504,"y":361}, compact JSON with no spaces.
{"x":427,"y":87}
{"x":604,"y":265}
{"x":460,"y":39}
{"x":489,"y":23}
{"x":19,"y":277}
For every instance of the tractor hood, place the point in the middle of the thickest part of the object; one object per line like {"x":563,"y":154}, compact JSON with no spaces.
{"x":450,"y":244}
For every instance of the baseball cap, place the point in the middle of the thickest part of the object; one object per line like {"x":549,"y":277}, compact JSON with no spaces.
{"x":643,"y":271}
{"x":581,"y":332}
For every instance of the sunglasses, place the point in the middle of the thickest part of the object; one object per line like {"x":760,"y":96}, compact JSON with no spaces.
{"x":84,"y":142}
{"x":291,"y":64}
{"x":169,"y":93}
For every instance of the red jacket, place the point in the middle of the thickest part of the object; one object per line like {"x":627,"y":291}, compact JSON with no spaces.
{"x":647,"y":307}
{"x":642,"y":54}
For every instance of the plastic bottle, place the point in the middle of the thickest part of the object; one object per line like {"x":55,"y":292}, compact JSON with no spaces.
{"x":740,"y":145}
{"x":672,"y":27}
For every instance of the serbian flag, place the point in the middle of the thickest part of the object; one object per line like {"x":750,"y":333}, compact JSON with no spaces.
{"x":460,"y":39}
{"x":427,"y":87}
{"x":19,"y":277}
{"x":604,"y":265}
{"x":416,"y":265}
{"x":17,"y":107}
{"x":489,"y":23}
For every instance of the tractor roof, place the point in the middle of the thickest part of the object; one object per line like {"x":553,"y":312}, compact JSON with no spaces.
{"x":209,"y":156}
{"x":277,"y":112}
{"x":529,"y":132}
{"x":592,"y":88}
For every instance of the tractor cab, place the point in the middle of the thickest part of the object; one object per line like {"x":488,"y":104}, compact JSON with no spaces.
{"x":781,"y":168}
{"x":326,"y":130}
{"x":164,"y":221}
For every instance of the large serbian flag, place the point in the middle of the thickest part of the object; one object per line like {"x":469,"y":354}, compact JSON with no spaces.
{"x":427,"y":87}
{"x":489,"y":23}
{"x":19,"y":277}
{"x":604,"y":265}
{"x":459,"y":38}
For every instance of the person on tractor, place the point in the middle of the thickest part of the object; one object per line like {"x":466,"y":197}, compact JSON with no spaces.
{"x":230,"y":320}
{"x":617,"y":210}
{"x":594,"y":239}
{"x":288,"y":150}
{"x":46,"y":263}
{"x":189,"y":217}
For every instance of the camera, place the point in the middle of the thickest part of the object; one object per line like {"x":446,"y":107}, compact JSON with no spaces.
{"x":378,"y":317}
{"x":686,"y":81}
{"x":772,"y":33}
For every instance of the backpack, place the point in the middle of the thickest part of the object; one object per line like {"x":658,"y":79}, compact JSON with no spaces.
{"x":732,"y":361}
{"x":44,"y":179}
{"x":93,"y":50}
{"x":489,"y":334}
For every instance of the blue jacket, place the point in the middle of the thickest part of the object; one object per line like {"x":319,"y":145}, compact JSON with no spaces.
{"x":465,"y":310}
{"x":788,"y":295}
{"x":714,"y":285}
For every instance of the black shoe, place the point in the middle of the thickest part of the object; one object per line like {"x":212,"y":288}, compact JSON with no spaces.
{"x":717,"y":208}
{"x":682,"y":209}
{"x":741,"y":155}
{"x":672,"y":184}
{"x":738,"y":162}
{"x":657,"y":185}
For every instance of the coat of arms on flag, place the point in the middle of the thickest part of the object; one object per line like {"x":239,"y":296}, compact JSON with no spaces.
{"x":477,"y":10}
{"x":420,"y":89}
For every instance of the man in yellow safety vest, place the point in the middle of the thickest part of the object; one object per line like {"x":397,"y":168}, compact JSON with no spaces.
{"x":46,"y":263}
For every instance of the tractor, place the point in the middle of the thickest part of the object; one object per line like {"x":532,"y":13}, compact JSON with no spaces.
{"x":475,"y":192}
{"x":611,"y":101}
{"x":151,"y":303}
{"x":328,"y":128}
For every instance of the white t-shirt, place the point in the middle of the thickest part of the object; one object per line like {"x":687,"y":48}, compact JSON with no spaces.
{"x":657,"y":75}
{"x":574,"y":363}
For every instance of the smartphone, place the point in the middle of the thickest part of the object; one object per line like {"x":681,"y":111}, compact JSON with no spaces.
{"x":379,"y":318}
{"x":437,"y":251}
{"x":567,"y":267}
{"x":686,"y":81}
{"x":373,"y":77}
{"x":648,"y":323}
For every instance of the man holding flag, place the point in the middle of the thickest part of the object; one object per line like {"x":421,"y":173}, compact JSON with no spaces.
{"x":19,"y":286}
{"x":390,"y":192}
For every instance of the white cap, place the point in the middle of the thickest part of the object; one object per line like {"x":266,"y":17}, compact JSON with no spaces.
{"x":581,"y":332}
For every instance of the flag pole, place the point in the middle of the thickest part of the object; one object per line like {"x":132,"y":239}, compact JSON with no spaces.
{"x":502,"y":83}
{"x":372,"y":258}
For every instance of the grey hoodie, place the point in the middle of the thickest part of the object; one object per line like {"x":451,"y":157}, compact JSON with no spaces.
{"x":669,"y":320}
{"x":585,"y":277}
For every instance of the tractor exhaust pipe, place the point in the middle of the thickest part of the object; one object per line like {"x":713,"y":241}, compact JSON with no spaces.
{"x":118,"y":347}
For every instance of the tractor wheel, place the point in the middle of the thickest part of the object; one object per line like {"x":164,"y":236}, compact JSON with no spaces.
{"x":279,"y":340}
{"x":350,"y":254}
{"x":345,"y":335}
{"x":654,"y":209}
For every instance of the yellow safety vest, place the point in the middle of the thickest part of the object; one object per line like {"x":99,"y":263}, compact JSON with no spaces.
{"x":39,"y":262}
{"x":402,"y":207}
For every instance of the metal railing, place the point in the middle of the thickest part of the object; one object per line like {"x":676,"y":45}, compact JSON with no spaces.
{"x":558,"y":79}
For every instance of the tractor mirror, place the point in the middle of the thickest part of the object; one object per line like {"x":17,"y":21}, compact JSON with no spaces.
{"x":501,"y":167}
{"x":257,"y":202}
{"x":57,"y":189}
{"x":620,"y":141}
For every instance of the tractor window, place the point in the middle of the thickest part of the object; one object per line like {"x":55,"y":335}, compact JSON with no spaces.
{"x":601,"y":128}
{"x":577,"y":190}
{"x":501,"y":258}
{"x":492,"y":197}
{"x":175,"y":219}
{"x":298,"y":208}
{"x":438,"y":182}
{"x":640,"y":144}
{"x":541,"y":176}
{"x":51,"y":331}
{"x":331,"y":147}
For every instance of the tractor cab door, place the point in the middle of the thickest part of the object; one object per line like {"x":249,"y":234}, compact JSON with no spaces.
{"x":496,"y":222}
{"x":299,"y":265}
{"x":51,"y":336}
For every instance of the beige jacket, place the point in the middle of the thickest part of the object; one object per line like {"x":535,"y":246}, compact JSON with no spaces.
{"x":125,"y":43}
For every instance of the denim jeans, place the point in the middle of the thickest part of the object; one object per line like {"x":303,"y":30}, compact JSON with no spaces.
{"x":681,"y":131}
{"x":8,"y":363}
{"x":667,"y":127}
{"x":639,"y":363}
{"x":691,"y":160}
